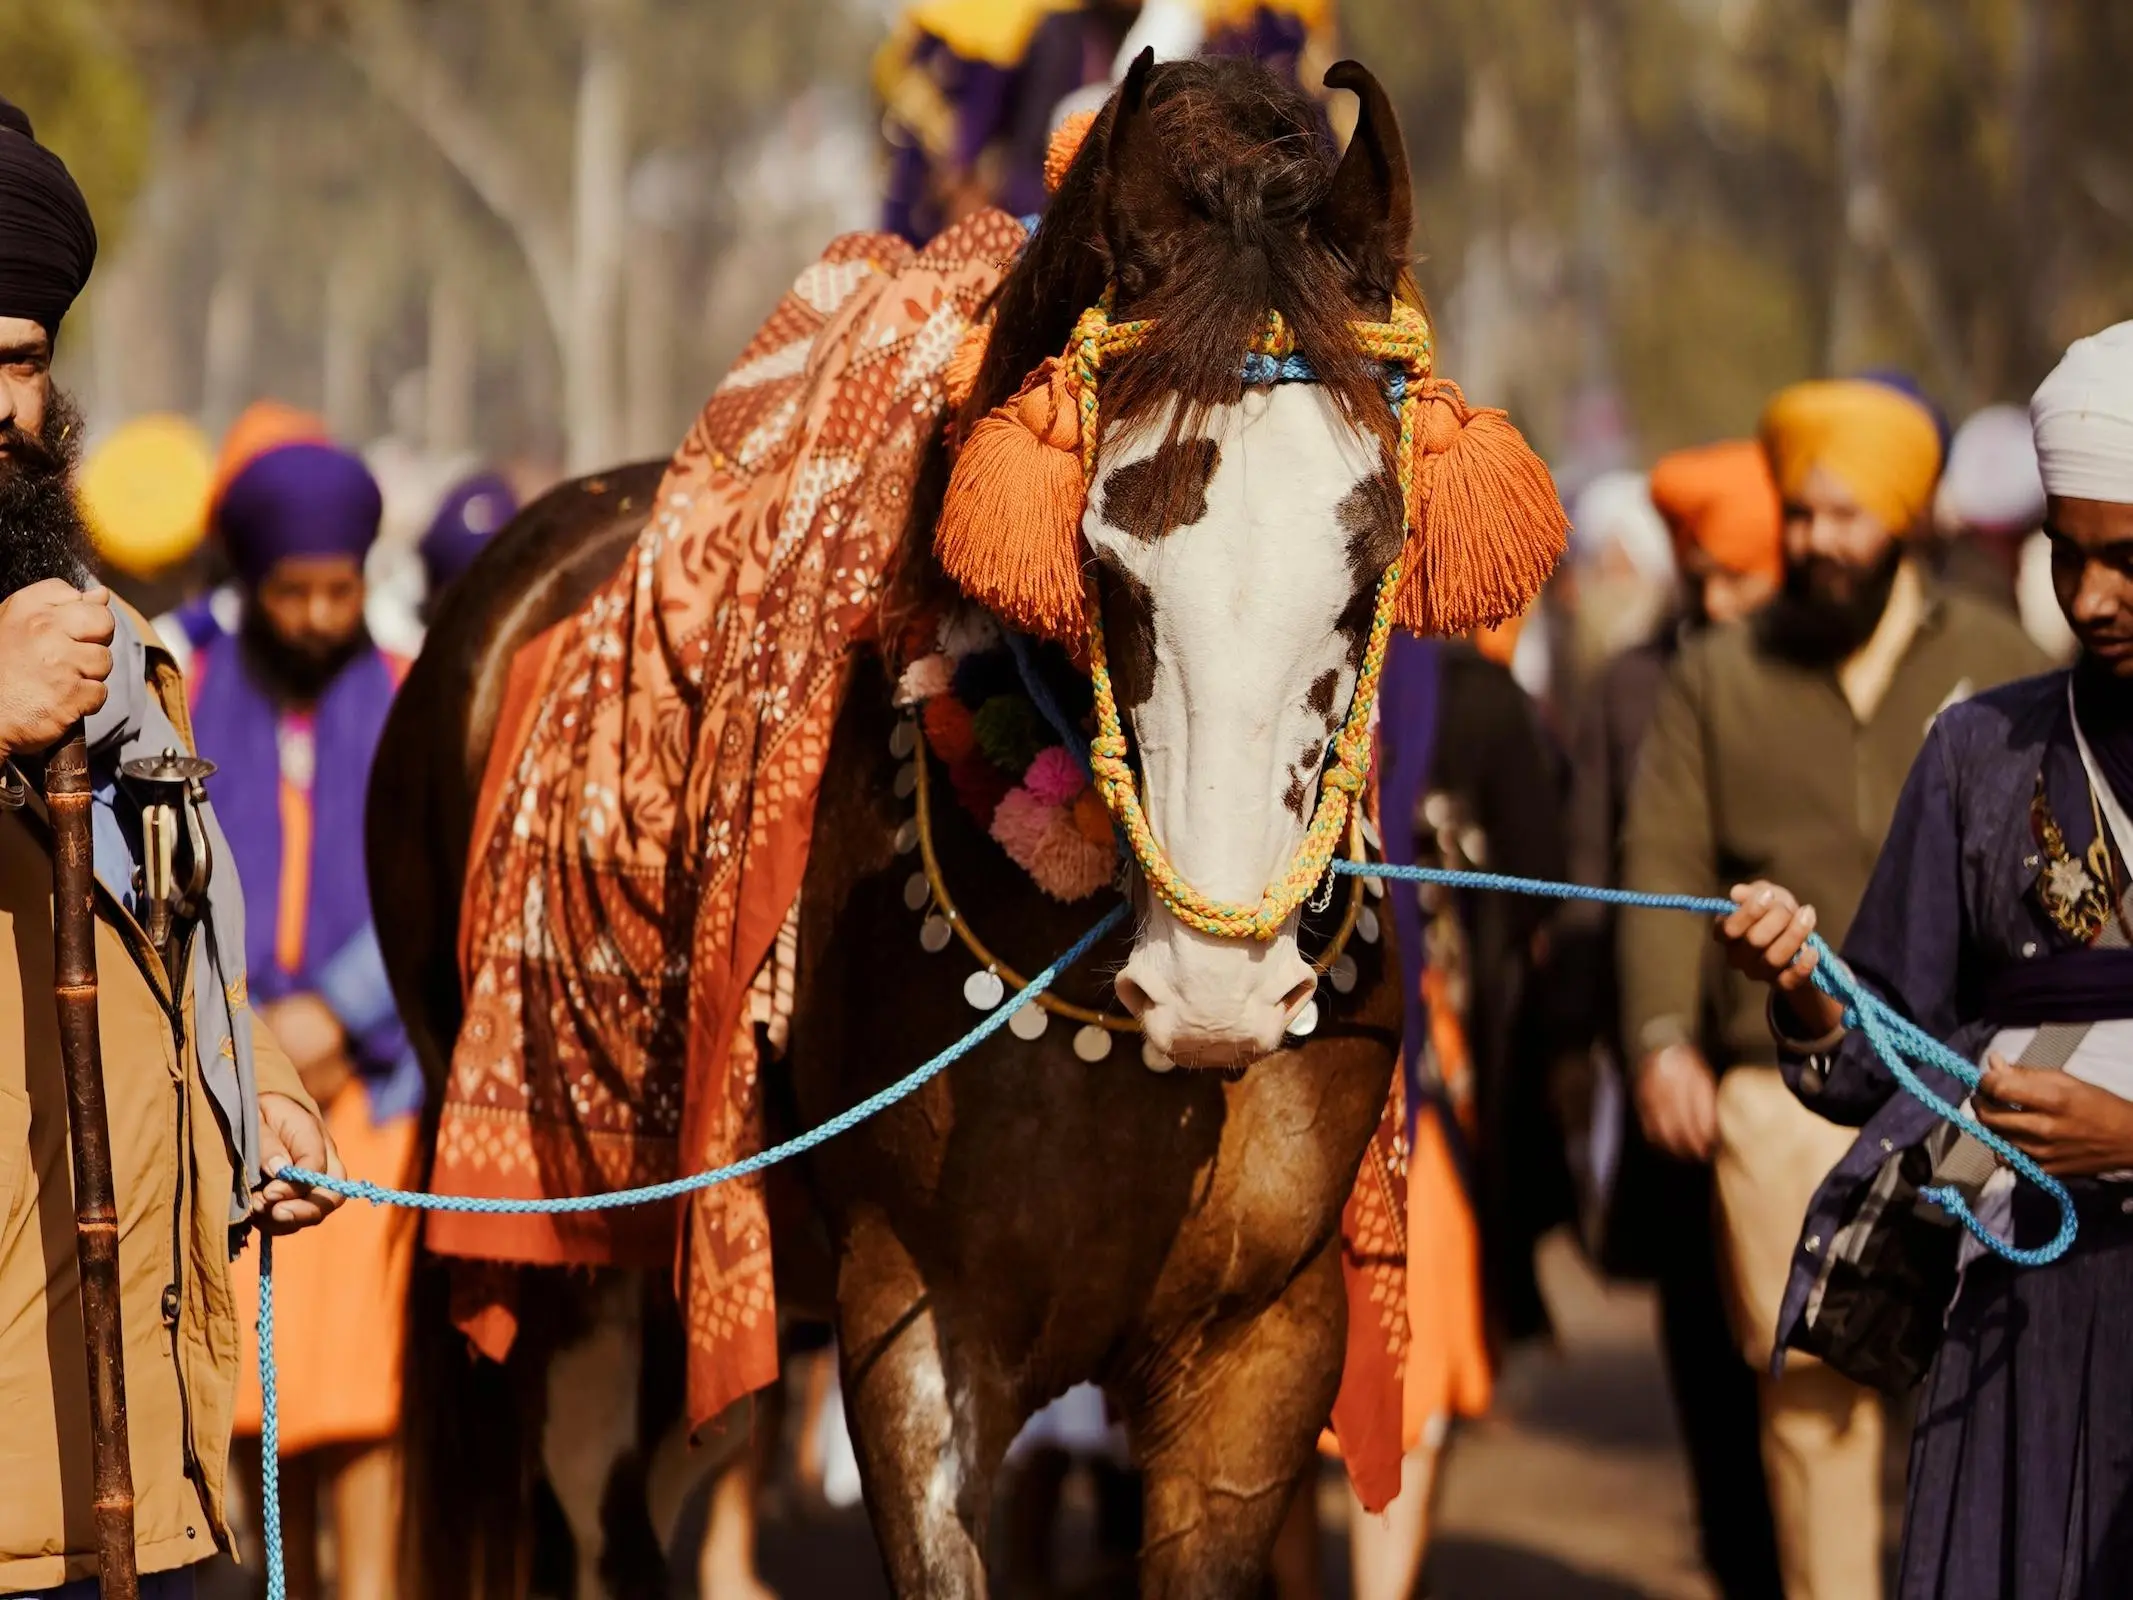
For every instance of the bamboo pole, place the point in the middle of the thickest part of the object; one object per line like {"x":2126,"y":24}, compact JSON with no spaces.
{"x":96,"y":1242}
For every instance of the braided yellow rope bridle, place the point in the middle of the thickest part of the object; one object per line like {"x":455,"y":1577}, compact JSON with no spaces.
{"x":1402,"y":343}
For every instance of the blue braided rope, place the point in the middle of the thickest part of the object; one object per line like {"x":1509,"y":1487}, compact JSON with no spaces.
{"x":1261,"y":368}
{"x":651,"y":1193}
{"x":1896,"y":1039}
{"x":269,"y":1428}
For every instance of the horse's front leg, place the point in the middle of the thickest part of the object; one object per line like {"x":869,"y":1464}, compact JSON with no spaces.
{"x":1224,"y":1426}
{"x":589,"y":1444}
{"x":930,"y":1416}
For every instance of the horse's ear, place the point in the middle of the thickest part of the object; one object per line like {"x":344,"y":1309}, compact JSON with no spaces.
{"x":1142,"y":206}
{"x":1368,"y":214}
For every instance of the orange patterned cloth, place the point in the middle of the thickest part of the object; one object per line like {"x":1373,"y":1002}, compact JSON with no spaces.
{"x":646,"y":811}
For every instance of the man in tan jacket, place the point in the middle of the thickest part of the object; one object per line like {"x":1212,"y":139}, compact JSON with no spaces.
{"x":201,"y":1102}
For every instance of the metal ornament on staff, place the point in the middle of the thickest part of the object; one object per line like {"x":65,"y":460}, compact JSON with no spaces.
{"x":96,"y":1234}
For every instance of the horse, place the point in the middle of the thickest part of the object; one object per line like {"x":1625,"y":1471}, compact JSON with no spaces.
{"x":1029,"y":1219}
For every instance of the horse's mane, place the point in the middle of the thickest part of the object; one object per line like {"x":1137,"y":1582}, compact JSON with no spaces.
{"x":1246,"y":161}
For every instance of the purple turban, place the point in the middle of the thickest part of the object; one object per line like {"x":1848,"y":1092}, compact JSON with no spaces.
{"x":299,"y":500}
{"x":474,"y":510}
{"x":47,"y":242}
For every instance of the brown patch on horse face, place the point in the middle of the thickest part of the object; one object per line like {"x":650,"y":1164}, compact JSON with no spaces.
{"x":1319,"y":702}
{"x":1303,"y":775}
{"x":1297,"y":795}
{"x":1129,"y":636}
{"x":1167,"y":491}
{"x":1374,"y":516}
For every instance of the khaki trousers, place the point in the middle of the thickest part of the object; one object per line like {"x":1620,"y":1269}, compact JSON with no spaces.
{"x":1822,"y":1433}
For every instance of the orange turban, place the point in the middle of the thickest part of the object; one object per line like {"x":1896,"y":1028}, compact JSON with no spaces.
{"x":1721,"y":499}
{"x":262,"y":426}
{"x":1880,"y":443}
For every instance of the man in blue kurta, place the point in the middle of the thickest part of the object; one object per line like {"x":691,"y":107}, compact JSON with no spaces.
{"x":290,"y":707}
{"x":1999,"y":919}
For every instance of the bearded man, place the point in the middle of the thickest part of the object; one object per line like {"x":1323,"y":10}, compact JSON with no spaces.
{"x":1778,"y":748}
{"x":202,"y":1101}
{"x":291,"y":705}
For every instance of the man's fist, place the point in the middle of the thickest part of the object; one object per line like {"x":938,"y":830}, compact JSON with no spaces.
{"x":1677,"y":1103}
{"x":55,"y":653}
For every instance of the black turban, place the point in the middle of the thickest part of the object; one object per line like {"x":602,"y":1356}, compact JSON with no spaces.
{"x":47,"y":242}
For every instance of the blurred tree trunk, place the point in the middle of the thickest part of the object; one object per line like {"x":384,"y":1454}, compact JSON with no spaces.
{"x":1598,"y":431}
{"x":1481,"y":304}
{"x":1599,"y":135}
{"x":652,"y":322}
{"x":346,"y":352}
{"x":139,"y":362}
{"x":452,"y":366}
{"x":2033,"y":343}
{"x":592,"y":400}
{"x":226,"y":378}
{"x":573,"y":246}
{"x":1866,"y":42}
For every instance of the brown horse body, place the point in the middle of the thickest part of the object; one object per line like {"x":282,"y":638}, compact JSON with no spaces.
{"x":1025,"y":1222}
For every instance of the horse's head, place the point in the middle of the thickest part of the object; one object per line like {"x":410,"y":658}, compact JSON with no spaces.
{"x":1240,"y":531}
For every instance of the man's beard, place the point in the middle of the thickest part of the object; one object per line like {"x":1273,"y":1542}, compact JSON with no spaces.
{"x":1828,"y":609}
{"x":41,"y":531}
{"x":294,"y":674}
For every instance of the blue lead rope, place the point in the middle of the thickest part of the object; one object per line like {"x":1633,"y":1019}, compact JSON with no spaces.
{"x":1896,"y":1039}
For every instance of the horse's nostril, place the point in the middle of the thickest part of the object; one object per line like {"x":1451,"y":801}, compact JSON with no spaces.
{"x":1132,"y":996}
{"x":1294,"y":1000}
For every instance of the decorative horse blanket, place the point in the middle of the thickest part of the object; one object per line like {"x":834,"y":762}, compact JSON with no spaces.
{"x":644,"y":827}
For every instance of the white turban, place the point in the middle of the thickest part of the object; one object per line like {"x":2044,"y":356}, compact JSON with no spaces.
{"x":1615,"y":509}
{"x":2083,"y":419}
{"x":1991,"y":483}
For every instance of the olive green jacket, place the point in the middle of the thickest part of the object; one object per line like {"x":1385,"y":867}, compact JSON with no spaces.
{"x":1757,"y":768}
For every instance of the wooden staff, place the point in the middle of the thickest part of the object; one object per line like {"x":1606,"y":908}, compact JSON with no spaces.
{"x":96,"y":1240}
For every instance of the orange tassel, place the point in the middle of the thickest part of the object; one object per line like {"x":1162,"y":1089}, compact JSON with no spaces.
{"x":1067,"y":140}
{"x":1486,"y":528}
{"x":959,"y":379}
{"x":1010,"y":528}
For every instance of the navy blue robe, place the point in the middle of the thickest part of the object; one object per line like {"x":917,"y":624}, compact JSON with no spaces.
{"x":2021,"y":1483}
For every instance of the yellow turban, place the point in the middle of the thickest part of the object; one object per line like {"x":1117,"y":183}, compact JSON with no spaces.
{"x":1877,"y":441}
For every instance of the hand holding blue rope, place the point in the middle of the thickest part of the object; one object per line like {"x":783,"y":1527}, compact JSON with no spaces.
{"x":1897,"y":1040}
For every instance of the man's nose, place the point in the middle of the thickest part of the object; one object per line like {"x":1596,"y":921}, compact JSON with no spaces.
{"x":2096,"y":597}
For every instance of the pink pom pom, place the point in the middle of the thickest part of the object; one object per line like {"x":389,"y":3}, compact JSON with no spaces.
{"x":1055,"y":777}
{"x":1019,"y":823}
{"x":1066,"y":865}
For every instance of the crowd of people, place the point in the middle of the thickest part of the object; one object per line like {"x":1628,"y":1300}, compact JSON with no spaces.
{"x":1868,"y":676}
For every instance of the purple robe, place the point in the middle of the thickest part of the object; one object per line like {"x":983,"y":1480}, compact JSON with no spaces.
{"x":235,"y":725}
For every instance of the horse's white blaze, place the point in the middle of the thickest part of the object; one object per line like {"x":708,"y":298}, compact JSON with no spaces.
{"x":1247,"y":603}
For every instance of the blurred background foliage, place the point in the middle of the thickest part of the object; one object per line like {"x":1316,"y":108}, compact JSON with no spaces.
{"x":538,"y":231}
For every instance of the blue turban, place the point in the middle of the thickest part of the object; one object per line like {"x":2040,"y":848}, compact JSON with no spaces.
{"x":47,"y":242}
{"x":471,"y":513}
{"x":299,"y":500}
